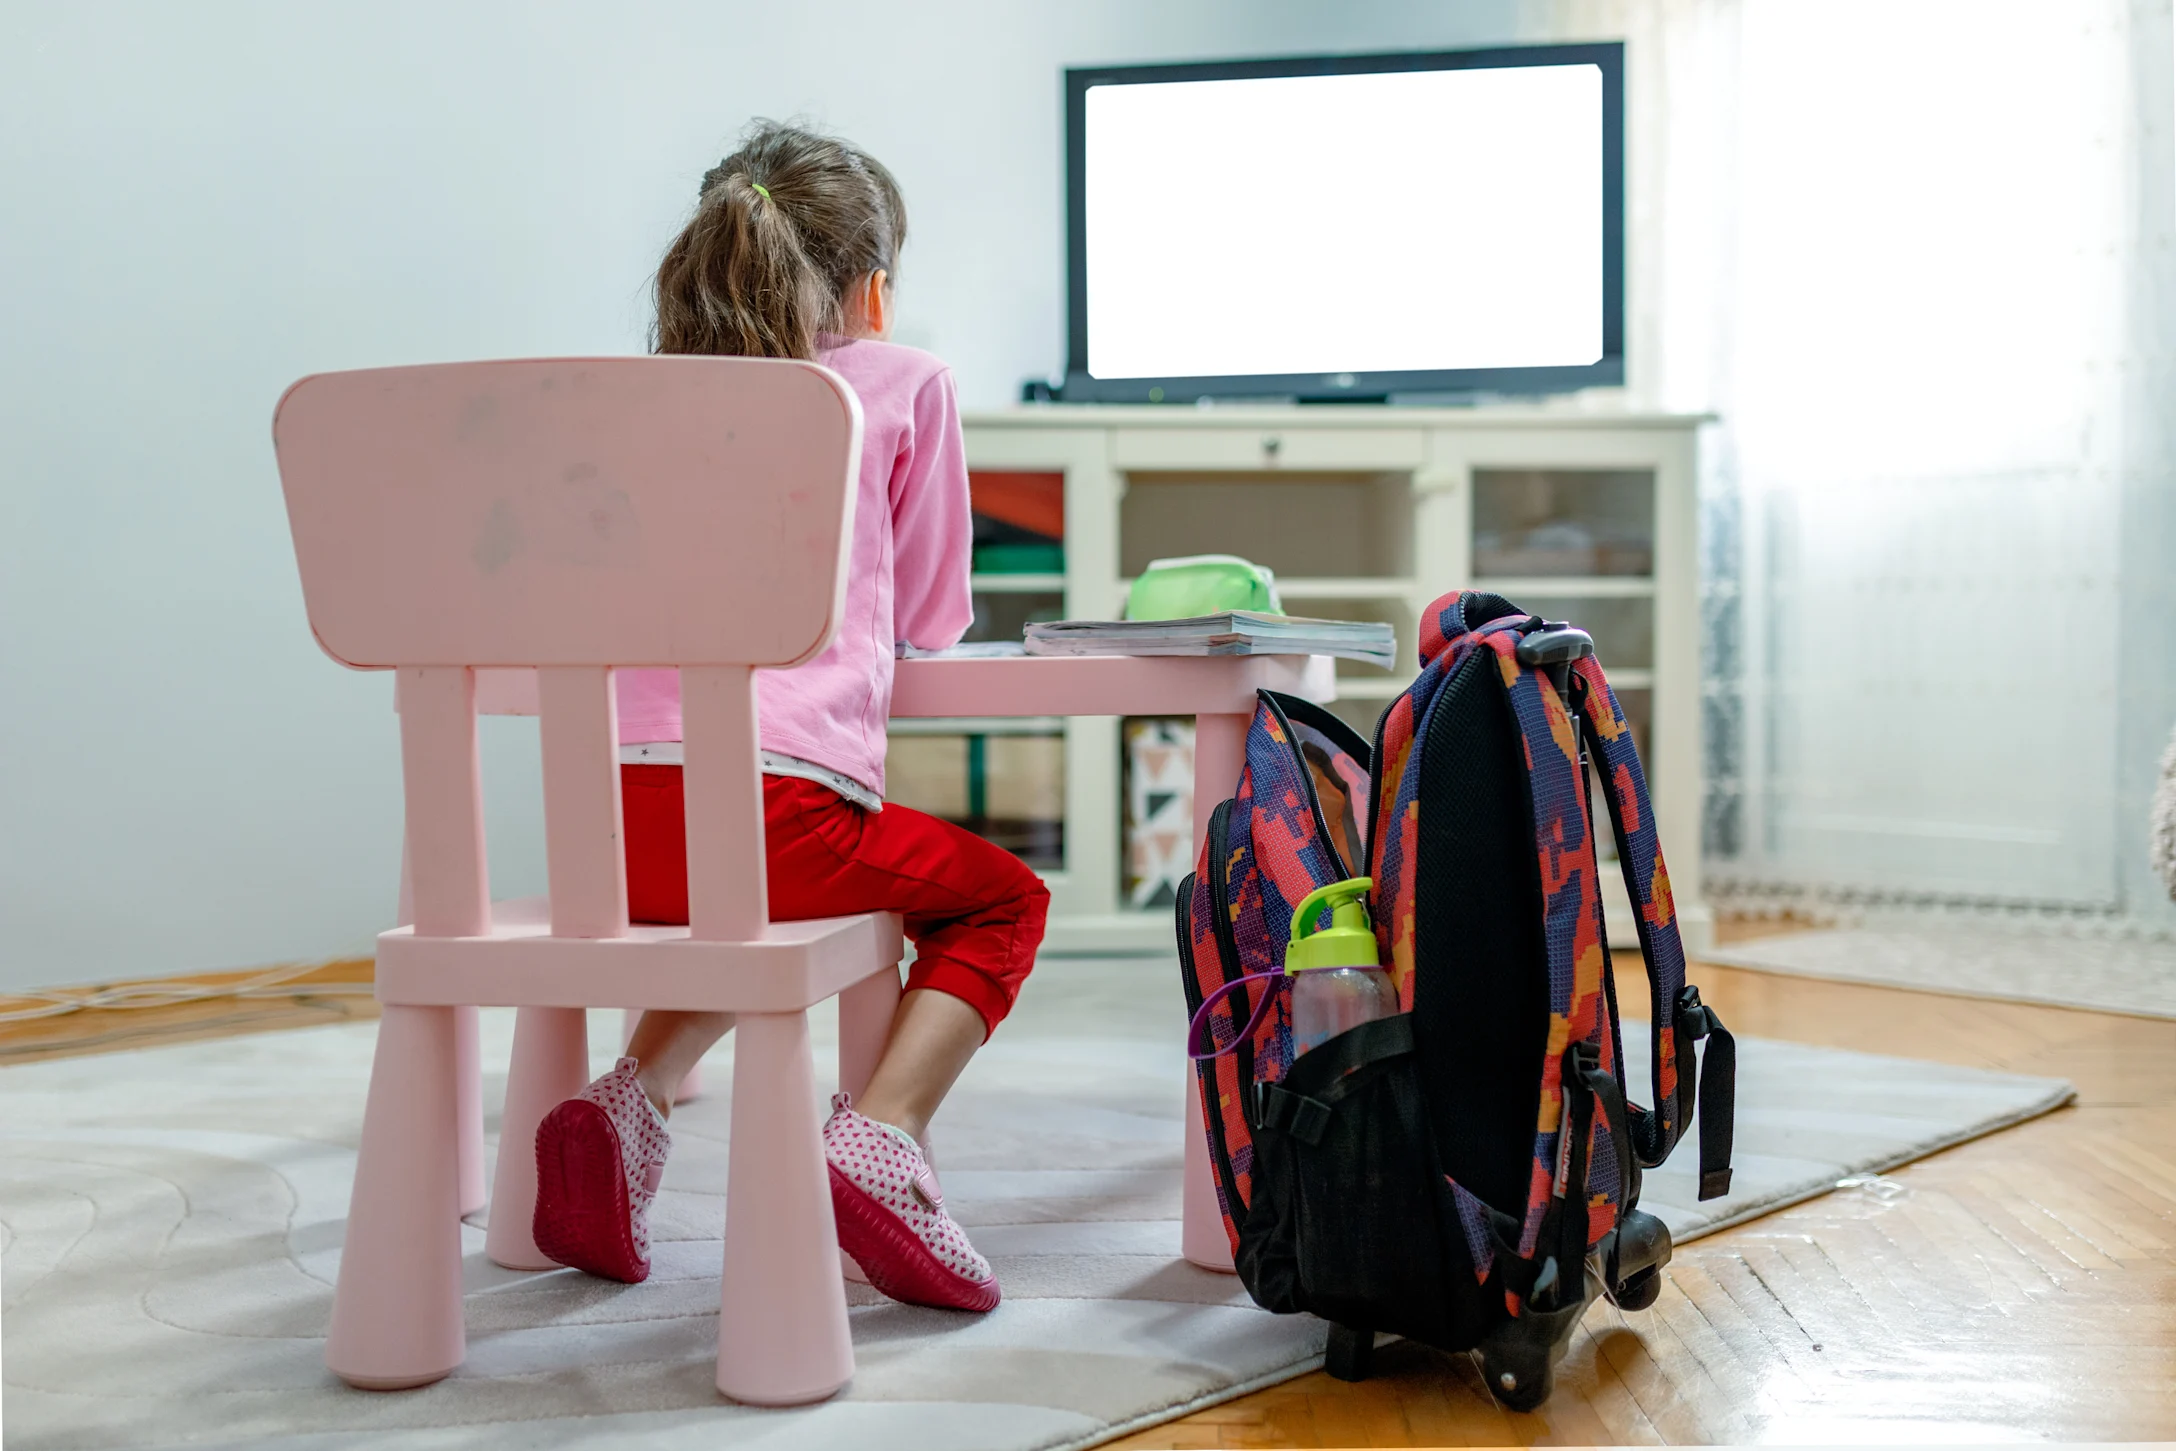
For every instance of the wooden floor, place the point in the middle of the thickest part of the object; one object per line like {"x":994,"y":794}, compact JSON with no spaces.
{"x":324,"y":994}
{"x":2020,"y":1287}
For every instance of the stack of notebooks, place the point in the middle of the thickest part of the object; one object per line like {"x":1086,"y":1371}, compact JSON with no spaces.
{"x":1240,"y":632}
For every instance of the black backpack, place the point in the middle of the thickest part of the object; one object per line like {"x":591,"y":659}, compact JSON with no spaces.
{"x":1413,"y":1175}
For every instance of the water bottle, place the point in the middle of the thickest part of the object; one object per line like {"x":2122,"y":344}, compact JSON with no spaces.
{"x":1338,"y":982}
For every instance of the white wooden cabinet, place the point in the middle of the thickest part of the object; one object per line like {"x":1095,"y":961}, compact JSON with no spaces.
{"x":1376,"y":512}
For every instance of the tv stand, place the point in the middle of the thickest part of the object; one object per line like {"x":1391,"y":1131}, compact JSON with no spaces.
{"x":1368,"y":511}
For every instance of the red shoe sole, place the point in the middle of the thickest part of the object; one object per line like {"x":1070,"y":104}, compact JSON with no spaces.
{"x":582,"y":1216}
{"x":894,"y":1257}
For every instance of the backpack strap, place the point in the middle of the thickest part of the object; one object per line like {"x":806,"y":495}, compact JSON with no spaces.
{"x":1680,"y":1019}
{"x":1598,"y":1090}
{"x":1576,"y":964}
{"x":1718,"y":1090}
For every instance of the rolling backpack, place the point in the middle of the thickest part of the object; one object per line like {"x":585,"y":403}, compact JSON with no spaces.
{"x":1465,"y":1172}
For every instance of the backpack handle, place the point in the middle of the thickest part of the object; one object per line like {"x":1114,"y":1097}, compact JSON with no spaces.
{"x":1197,"y":1031}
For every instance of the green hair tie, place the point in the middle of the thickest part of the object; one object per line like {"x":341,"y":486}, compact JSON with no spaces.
{"x":759,"y":186}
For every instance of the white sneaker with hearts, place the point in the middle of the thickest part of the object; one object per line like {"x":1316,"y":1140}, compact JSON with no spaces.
{"x":892,"y":1220}
{"x":599,"y":1157}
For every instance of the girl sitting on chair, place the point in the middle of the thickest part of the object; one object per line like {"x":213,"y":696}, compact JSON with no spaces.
{"x":791,"y":254}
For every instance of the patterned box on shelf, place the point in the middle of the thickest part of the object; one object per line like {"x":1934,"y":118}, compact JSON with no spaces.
{"x":1159,"y":770}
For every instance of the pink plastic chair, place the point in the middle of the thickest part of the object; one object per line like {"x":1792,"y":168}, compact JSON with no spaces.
{"x":575,"y":515}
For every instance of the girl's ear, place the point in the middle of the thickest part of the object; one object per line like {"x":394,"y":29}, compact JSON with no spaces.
{"x":876,"y":304}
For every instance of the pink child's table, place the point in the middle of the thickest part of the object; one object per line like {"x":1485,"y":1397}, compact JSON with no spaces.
{"x":1218,"y":691}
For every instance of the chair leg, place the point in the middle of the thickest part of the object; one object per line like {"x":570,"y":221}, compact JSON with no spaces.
{"x":468,"y":1097}
{"x":396,"y":1310}
{"x":782,"y":1336}
{"x":551,"y":1065}
{"x":691,"y":1083}
{"x":866,"y":1011}
{"x":468,"y":1068}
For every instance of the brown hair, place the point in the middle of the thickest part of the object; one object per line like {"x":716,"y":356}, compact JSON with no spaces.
{"x":783,"y":228}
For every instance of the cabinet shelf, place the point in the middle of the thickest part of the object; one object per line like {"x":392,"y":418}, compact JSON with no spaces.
{"x":1017,"y":584}
{"x":1354,"y":587}
{"x":1008,"y":725}
{"x":1380,"y":587}
{"x":1576,"y":586}
{"x":1371,"y":687}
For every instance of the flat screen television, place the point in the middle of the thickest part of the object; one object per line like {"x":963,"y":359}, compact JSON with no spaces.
{"x":1346,"y":228}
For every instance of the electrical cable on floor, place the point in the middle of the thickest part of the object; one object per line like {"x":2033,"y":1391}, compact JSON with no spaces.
{"x":57,"y":1002}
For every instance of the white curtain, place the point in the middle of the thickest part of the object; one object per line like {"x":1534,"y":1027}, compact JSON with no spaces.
{"x":1916,"y":255}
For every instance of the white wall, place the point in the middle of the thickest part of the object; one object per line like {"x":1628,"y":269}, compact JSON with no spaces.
{"x":199,"y":203}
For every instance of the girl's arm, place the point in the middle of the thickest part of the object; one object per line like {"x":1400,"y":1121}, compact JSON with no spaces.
{"x":932,"y":526}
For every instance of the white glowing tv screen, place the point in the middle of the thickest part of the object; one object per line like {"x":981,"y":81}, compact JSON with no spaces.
{"x":1351,"y":227}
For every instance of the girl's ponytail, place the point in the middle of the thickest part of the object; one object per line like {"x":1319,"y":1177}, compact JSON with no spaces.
{"x":784,"y":226}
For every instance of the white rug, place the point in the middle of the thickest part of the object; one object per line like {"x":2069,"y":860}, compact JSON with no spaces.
{"x":2022,"y":964}
{"x":170,"y":1223}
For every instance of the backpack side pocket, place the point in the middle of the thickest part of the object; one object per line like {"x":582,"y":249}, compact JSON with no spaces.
{"x":1352,"y":1218}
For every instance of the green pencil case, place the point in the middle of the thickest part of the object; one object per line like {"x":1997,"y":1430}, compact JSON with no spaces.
{"x":1202,"y":584}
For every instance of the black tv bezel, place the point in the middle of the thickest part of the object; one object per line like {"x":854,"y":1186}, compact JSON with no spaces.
{"x":1082,"y":386}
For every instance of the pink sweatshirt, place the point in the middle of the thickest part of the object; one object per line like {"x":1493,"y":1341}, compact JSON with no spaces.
{"x":906,"y":576}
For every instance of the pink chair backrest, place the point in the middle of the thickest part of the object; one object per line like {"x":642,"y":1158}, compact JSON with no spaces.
{"x":575,"y":514}
{"x":575,"y":511}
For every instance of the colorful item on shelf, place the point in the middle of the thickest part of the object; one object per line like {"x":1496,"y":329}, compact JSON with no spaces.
{"x":1159,"y":809}
{"x":1031,"y":503}
{"x":1202,"y":584}
{"x":1019,"y":522}
{"x":1019,"y":558}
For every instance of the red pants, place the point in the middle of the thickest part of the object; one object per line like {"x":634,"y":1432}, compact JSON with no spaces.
{"x":973,"y":911}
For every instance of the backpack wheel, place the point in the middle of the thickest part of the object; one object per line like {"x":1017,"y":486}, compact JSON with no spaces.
{"x":1349,"y":1353}
{"x":1519,"y":1372}
{"x":1519,"y":1355}
{"x":1639,"y":1291}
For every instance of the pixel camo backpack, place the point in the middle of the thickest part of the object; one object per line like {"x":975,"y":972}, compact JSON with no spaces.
{"x":1414,"y":1175}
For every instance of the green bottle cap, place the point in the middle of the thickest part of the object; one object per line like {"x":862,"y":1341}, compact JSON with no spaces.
{"x":1349,"y":940}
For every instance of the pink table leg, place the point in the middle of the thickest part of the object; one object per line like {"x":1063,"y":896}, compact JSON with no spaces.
{"x":1220,"y":752}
